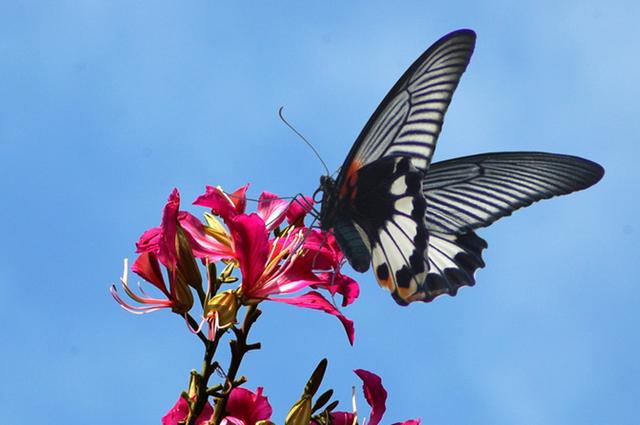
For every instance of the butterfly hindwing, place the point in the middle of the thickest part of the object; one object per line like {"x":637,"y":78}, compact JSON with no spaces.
{"x":388,"y":206}
{"x":467,"y":193}
{"x":474,"y":191}
{"x":453,"y":261}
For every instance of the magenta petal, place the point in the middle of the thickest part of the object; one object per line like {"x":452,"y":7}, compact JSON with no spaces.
{"x":214,"y":198}
{"x":162,"y":240}
{"x":247,"y":407}
{"x":317,"y":302}
{"x":226,"y":206}
{"x":322,"y":251}
{"x":298,"y":208}
{"x":409,"y":422}
{"x":202,"y":244}
{"x":147,"y":267}
{"x":239,"y":198}
{"x":251,"y":244}
{"x":272,"y":209}
{"x":167,"y":253}
{"x":337,"y":283}
{"x":342,"y":418}
{"x":374,"y":393}
{"x":149,"y":241}
{"x":180,"y":411}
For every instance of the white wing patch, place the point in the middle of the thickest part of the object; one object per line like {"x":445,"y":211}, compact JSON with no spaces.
{"x":399,"y":253}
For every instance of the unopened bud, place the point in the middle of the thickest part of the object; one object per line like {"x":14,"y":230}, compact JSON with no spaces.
{"x":225,"y":306}
{"x":180,"y":294}
{"x":300,"y":413}
{"x":187,"y":265}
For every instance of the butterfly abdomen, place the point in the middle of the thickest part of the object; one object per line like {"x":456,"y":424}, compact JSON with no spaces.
{"x":351,"y":244}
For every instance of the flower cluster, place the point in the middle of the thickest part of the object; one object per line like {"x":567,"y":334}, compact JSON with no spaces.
{"x":245,"y":407}
{"x":274,"y":263}
{"x":268,"y":255}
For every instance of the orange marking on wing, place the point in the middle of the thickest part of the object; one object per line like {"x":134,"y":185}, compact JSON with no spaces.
{"x":405,"y":293}
{"x":349,"y":188}
{"x":386,"y":283}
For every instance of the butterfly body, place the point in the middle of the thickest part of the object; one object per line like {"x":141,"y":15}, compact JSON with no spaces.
{"x":413,"y":220}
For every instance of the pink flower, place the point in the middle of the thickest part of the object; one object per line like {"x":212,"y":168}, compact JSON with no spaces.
{"x":376,"y":397}
{"x":274,"y":267}
{"x":180,"y":411}
{"x":247,"y":408}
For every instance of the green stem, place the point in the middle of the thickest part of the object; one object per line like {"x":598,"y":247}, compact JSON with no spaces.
{"x":208,"y":367}
{"x":239,"y":348}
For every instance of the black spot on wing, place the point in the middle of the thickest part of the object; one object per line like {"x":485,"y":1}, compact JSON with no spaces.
{"x":414,"y":182}
{"x":382,"y":271}
{"x":403,"y":277}
{"x":417,"y":261}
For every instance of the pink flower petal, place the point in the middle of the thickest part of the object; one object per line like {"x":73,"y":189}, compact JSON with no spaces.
{"x":239,"y":198}
{"x":202,"y":244}
{"x":246,"y":407}
{"x":342,"y":418}
{"x":374,"y":393}
{"x":337,"y":283}
{"x":272,"y":209}
{"x":226,"y":206}
{"x":409,"y":422}
{"x":180,"y":411}
{"x":149,"y":241}
{"x":298,"y":209}
{"x":147,"y":267}
{"x":251,"y":246}
{"x":323,"y":252}
{"x":167,"y":253}
{"x":316,"y":301}
{"x":162,"y":240}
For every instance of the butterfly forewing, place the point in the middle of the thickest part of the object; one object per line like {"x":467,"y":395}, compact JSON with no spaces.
{"x":409,"y":119}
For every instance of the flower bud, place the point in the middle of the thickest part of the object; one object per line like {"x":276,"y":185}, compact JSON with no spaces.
{"x":181,"y":296}
{"x":225,"y":306}
{"x":300,"y":413}
{"x":187,"y":265}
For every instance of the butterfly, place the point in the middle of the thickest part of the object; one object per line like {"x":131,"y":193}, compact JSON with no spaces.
{"x":415,"y":221}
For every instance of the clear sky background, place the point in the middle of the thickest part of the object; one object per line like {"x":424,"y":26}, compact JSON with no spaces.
{"x":105,"y":106}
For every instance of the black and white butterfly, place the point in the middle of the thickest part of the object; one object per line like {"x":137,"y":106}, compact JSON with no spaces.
{"x":413,"y":220}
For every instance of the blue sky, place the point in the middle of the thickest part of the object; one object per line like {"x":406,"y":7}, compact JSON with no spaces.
{"x":106,"y":106}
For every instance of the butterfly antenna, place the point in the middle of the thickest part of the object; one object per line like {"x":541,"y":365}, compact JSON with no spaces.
{"x":284,"y":120}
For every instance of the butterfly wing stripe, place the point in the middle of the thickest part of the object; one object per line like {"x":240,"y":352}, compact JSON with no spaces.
{"x":454,"y":260}
{"x":409,"y":119}
{"x":471,"y":192}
